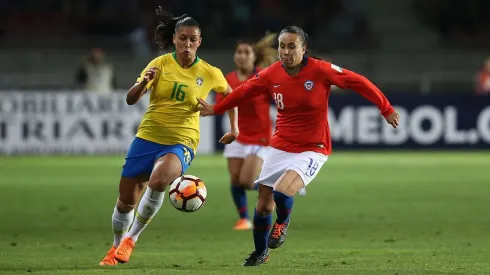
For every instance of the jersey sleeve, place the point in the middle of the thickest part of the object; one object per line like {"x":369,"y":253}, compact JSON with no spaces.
{"x":153,"y":63}
{"x":219,"y":96}
{"x":346,"y":79}
{"x":254,"y":87}
{"x":220,"y":85}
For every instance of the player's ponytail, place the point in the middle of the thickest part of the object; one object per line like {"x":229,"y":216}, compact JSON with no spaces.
{"x":265,"y":53}
{"x":167,"y":27}
{"x":313,"y":55}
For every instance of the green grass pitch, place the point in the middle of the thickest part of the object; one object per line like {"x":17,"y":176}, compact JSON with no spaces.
{"x":365,"y":213}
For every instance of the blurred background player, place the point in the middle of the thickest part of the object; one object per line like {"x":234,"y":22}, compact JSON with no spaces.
{"x":168,"y":135}
{"x":96,"y":74}
{"x":482,"y":85}
{"x":301,"y":143}
{"x":245,"y":156}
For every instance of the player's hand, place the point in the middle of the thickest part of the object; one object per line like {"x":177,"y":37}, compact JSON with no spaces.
{"x":393,"y":119}
{"x":150,"y":74}
{"x":205,"y":109}
{"x":229,"y":137}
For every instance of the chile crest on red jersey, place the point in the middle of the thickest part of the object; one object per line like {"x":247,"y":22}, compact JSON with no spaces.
{"x":302,"y":122}
{"x":309,"y":85}
{"x":301,"y":102}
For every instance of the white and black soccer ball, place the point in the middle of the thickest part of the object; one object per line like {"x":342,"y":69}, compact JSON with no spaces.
{"x":187,"y":193}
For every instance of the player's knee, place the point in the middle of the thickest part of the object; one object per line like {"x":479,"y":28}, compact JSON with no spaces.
{"x":235,"y":179}
{"x":161,"y":181}
{"x":166,"y":170}
{"x":247,"y":180}
{"x":247,"y":183}
{"x":265,"y":203}
{"x":124,"y":206}
{"x":265,"y":208}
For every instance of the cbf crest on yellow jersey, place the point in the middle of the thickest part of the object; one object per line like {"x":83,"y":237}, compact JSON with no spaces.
{"x":172,"y":116}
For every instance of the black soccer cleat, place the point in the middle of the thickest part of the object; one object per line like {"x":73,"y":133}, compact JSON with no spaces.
{"x":256,"y":259}
{"x":277,"y":235}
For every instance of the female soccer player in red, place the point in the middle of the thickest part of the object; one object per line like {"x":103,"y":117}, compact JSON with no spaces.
{"x":245,"y":156}
{"x":301,"y":143}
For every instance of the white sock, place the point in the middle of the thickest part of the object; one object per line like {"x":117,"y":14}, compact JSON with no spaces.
{"x":147,"y":209}
{"x":120,"y":224}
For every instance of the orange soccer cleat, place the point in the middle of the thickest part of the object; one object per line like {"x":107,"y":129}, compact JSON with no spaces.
{"x":110,"y":258}
{"x":278,"y":235}
{"x":123,"y":252}
{"x":243,"y":224}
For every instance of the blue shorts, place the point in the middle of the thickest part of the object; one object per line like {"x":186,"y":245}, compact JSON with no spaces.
{"x":142,"y":155}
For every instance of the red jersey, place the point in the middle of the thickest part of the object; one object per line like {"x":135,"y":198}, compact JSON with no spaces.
{"x":254,"y":121}
{"x":302,"y":102}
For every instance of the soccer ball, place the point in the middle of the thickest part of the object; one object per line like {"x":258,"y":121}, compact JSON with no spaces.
{"x":187,"y":193}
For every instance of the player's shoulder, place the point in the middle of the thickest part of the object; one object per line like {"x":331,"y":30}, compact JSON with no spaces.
{"x":318,"y":63}
{"x":213,"y":74}
{"x":321,"y":68}
{"x":160,"y":61}
{"x":274,"y":66}
{"x":270,"y":70}
{"x":325,"y":66}
{"x":210,"y":69}
{"x":231,"y":75}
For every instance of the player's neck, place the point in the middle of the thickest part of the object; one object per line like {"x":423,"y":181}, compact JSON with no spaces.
{"x":293,"y":71}
{"x":244,"y":73}
{"x":185,"y":62}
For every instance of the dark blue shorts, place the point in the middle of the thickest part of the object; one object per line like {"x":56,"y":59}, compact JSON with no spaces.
{"x":142,"y":155}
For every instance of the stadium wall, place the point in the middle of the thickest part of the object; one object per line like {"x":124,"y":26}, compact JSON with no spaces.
{"x":33,"y":123}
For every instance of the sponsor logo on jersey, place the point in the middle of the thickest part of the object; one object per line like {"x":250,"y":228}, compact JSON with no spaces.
{"x":309,"y":85}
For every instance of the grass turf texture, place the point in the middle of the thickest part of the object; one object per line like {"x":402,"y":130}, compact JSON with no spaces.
{"x":365,"y":213}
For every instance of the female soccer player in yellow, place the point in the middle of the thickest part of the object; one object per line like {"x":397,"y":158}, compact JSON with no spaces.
{"x":168,"y":135}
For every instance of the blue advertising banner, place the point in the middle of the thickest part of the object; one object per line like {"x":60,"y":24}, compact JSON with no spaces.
{"x":440,"y":121}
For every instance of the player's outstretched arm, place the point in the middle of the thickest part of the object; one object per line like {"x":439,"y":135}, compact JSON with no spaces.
{"x":233,"y":116}
{"x":252,"y":88}
{"x":346,"y":79}
{"x":139,"y":89}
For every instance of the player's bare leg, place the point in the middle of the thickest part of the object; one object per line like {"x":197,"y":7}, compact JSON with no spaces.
{"x":284,"y":190}
{"x":166,"y":169}
{"x":238,"y":193}
{"x":262,"y":224}
{"x":130,"y":190}
{"x":250,"y":170}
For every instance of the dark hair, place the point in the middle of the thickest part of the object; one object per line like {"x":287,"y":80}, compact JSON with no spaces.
{"x":265,"y":53}
{"x":315,"y":55}
{"x":244,"y":42}
{"x":297,"y":30}
{"x":168,"y":26}
{"x":302,"y":35}
{"x":259,"y":56}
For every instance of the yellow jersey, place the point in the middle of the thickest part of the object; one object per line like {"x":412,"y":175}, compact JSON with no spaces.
{"x":172,"y":116}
